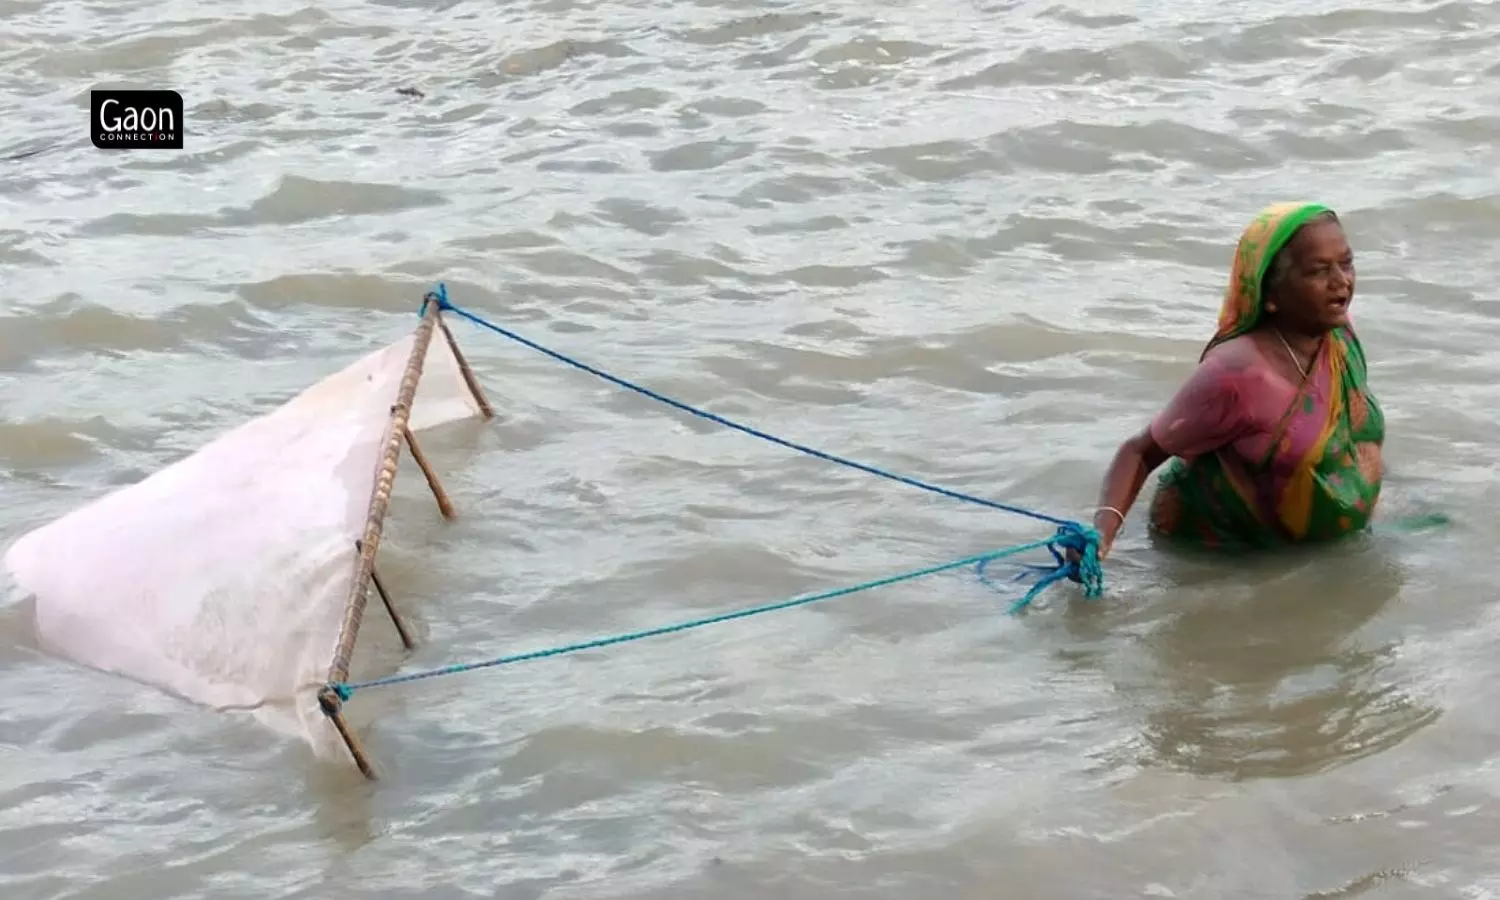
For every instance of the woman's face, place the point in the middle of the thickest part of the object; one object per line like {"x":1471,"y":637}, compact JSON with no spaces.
{"x":1315,"y":294}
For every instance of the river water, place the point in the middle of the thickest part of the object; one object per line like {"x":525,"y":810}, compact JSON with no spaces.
{"x":978,"y":243}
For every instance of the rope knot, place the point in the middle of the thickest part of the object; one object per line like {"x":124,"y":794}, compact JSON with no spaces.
{"x":439,"y":296}
{"x":1075,"y":554}
{"x":1087,"y":570}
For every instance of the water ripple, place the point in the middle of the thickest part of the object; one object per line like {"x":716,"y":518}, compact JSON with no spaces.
{"x":978,"y":243}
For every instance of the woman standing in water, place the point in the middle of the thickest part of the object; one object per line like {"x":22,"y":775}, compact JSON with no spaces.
{"x":1276,"y":435}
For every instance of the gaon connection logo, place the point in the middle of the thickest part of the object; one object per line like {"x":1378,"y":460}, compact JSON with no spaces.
{"x":135,"y":120}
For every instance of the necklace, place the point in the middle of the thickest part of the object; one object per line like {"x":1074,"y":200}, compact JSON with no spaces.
{"x":1292,"y":353}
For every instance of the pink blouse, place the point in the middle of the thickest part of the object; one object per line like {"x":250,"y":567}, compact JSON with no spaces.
{"x":1234,"y":398}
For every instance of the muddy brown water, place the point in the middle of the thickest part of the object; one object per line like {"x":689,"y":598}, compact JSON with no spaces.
{"x":973,"y":242}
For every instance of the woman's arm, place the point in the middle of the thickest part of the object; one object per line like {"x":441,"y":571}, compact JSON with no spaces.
{"x":1137,"y":458}
{"x":1204,"y":415}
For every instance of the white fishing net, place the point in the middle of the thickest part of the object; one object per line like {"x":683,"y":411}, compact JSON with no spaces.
{"x":222,"y":578}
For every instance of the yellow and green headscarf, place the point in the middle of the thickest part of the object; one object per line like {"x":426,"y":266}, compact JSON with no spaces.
{"x":1268,"y":232}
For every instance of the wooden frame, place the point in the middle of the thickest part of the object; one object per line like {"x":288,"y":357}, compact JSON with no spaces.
{"x":368,"y":546}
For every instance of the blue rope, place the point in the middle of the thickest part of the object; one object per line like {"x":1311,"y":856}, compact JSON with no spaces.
{"x":1090,"y":568}
{"x":1070,"y":535}
{"x":440,"y":296}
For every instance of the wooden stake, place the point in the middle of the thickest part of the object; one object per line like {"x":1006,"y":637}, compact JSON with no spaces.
{"x":406,"y":640}
{"x":385,"y":597}
{"x":445,"y":505}
{"x":333,"y":708}
{"x":463,"y":368}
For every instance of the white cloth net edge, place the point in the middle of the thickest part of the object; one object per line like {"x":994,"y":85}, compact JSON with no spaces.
{"x":222,"y":577}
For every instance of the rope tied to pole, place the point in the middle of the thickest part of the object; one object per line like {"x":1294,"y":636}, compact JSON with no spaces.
{"x":1070,"y":535}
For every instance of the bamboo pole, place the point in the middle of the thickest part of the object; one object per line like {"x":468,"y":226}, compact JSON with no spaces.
{"x":369,"y":543}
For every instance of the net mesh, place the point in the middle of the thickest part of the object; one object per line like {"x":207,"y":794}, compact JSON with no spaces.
{"x":222,"y":578}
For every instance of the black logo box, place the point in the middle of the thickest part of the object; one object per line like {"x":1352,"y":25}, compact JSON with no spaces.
{"x":135,"y":120}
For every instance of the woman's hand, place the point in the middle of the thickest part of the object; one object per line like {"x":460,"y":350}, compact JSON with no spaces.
{"x":1107,"y":522}
{"x":1136,"y":459}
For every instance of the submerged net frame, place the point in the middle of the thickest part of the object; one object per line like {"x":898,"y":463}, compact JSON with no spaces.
{"x":398,"y":432}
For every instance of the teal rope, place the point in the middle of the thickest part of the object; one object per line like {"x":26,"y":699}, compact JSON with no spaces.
{"x":1090,"y":564}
